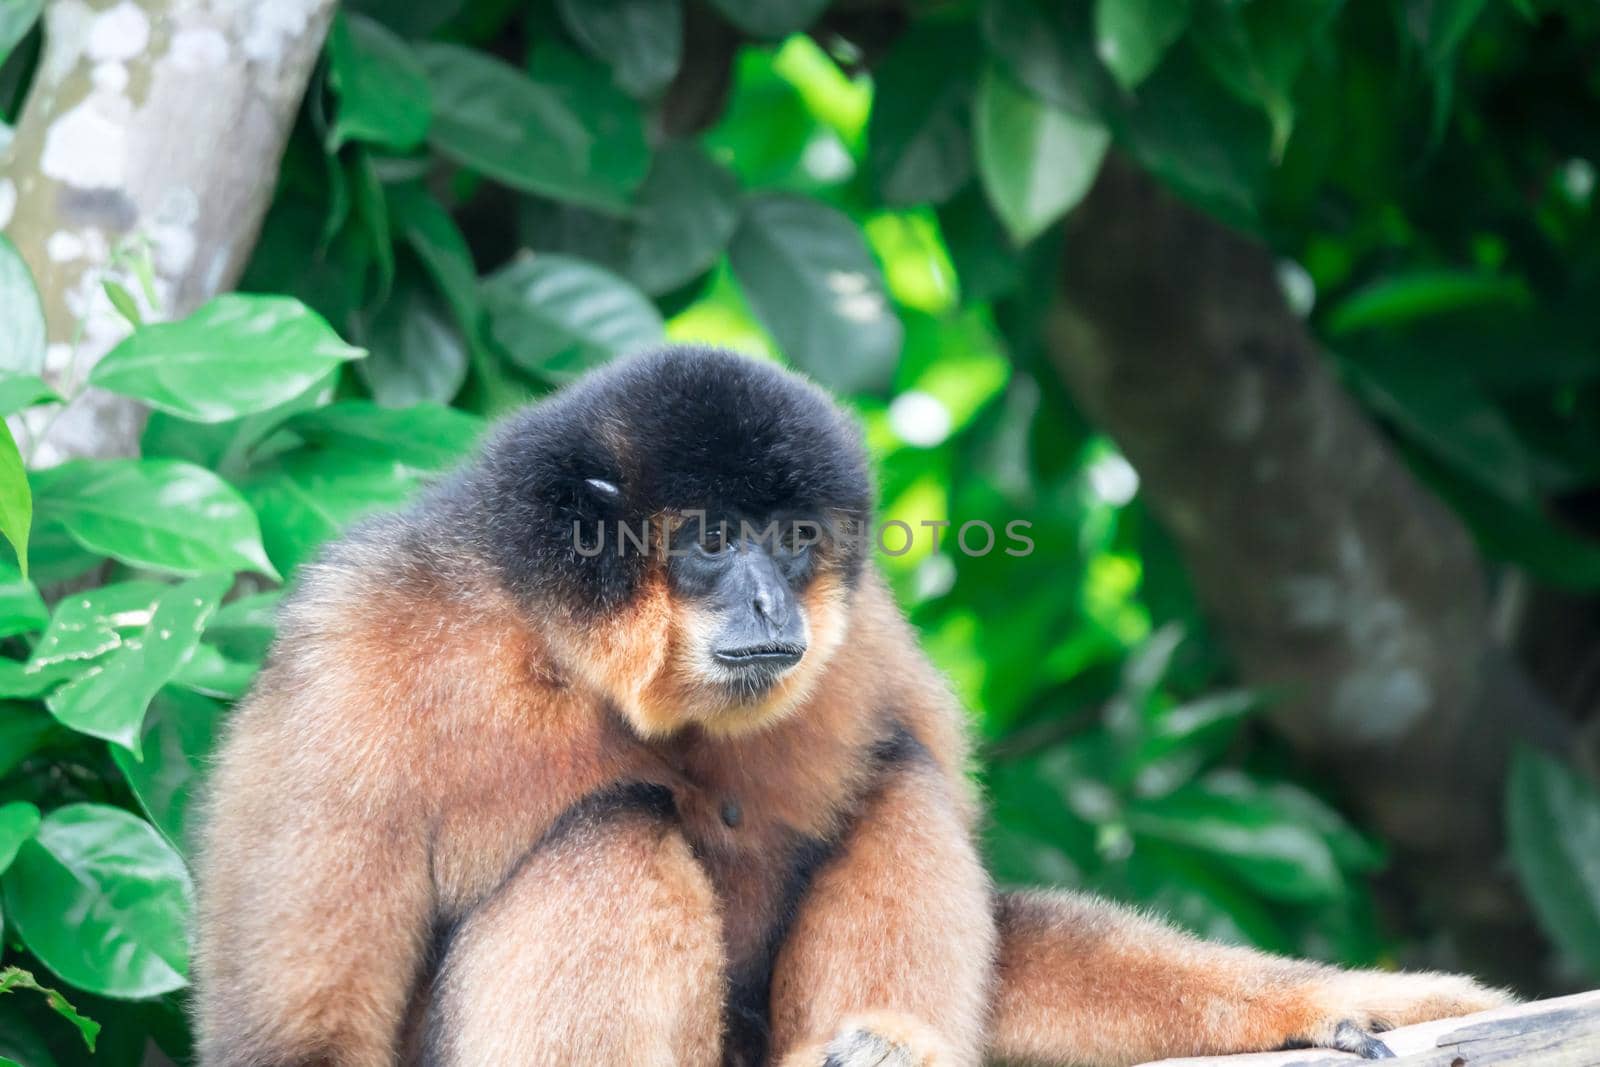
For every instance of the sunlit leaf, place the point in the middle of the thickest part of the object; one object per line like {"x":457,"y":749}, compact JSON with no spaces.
{"x":103,"y":900}
{"x":19,"y":391}
{"x":108,"y":700}
{"x":14,"y":978}
{"x":18,"y":821}
{"x":162,"y":514}
{"x":238,"y":354}
{"x":16,"y":498}
{"x":306,"y":498}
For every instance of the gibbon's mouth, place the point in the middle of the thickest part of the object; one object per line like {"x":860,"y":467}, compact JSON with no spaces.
{"x":769,"y":656}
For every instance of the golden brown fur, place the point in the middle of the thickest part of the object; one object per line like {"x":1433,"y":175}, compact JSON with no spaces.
{"x":454,"y":829}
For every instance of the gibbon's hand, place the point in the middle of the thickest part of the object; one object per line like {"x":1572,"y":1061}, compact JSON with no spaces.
{"x":878,"y":1039}
{"x":1354,"y":1006}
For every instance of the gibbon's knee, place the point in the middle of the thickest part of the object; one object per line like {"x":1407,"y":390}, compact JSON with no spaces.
{"x":603,"y":947}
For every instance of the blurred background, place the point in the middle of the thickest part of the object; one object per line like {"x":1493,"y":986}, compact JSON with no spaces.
{"x":1276,"y":319}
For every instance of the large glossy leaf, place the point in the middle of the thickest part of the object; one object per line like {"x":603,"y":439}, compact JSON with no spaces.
{"x":688,"y":208}
{"x":1265,"y":845}
{"x":22,"y":609}
{"x":103,"y":900}
{"x":558,"y":316}
{"x":16,"y":499}
{"x":18,"y":822}
{"x":162,"y":514}
{"x":524,"y":132}
{"x":1037,"y":161}
{"x":382,"y":87}
{"x":16,"y":19}
{"x":640,"y":40}
{"x":1131,"y":36}
{"x":243,"y":628}
{"x":22,"y":329}
{"x":425,"y":436}
{"x":1553,"y":816}
{"x":417,"y":350}
{"x":771,"y":18}
{"x":109,"y":699}
{"x":1050,"y":48}
{"x":807,"y":273}
{"x":238,"y":354}
{"x":85,"y":626}
{"x":179,"y":733}
{"x":919,"y":136}
{"x":306,"y":498}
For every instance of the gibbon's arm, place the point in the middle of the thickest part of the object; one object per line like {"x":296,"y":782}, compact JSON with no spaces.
{"x":1084,"y":981}
{"x":314,"y":899}
{"x":892,"y":947}
{"x":603,"y":947}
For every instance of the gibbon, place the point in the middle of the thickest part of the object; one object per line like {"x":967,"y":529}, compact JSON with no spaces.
{"x":614,"y":749}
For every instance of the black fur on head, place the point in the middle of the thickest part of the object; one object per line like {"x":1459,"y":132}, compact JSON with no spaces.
{"x":680,"y":429}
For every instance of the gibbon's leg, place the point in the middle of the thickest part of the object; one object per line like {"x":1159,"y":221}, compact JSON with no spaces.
{"x":889,"y":956}
{"x":1085,"y":981}
{"x":604,"y":947}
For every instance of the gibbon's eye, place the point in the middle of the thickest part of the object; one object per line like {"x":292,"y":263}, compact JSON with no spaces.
{"x":798,"y":537}
{"x":713,"y":541}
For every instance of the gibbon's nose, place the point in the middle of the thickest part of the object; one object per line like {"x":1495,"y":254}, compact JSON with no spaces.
{"x":762,"y":625}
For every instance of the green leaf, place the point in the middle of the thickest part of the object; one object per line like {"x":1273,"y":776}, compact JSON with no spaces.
{"x":24,"y":729}
{"x":210,"y":673}
{"x":382,"y":87}
{"x":430,"y":231}
{"x":806,"y":271}
{"x":1036,"y":161}
{"x":426,"y":436}
{"x":225,"y":447}
{"x":22,"y":609}
{"x":528,"y":133}
{"x":87,"y":625}
{"x":1440,"y":26}
{"x":243,"y":628}
{"x":1398,"y":300}
{"x":109,"y":699}
{"x":640,"y":40}
{"x":1258,"y":49}
{"x":19,"y":391}
{"x":102,"y":899}
{"x":1553,"y":820}
{"x":16,"y":19}
{"x":687,"y":211}
{"x":770,"y":18}
{"x":417,"y":353}
{"x":306,"y":498}
{"x":18,"y":821}
{"x":558,"y":316}
{"x":123,"y":301}
{"x":1131,"y":36}
{"x":1049,"y":48}
{"x":1265,"y":846}
{"x":161,"y":514}
{"x":22,"y":329}
{"x":237,"y":355}
{"x":179,"y":734}
{"x":14,"y":978}
{"x":919,"y":145}
{"x":16,"y":499}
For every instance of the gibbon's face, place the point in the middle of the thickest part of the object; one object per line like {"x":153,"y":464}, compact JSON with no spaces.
{"x":689,"y":522}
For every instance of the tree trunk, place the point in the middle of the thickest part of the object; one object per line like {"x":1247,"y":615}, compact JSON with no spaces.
{"x":1345,"y":590}
{"x":154,"y":124}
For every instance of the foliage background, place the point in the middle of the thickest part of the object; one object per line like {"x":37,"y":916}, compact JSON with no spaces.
{"x":483,"y":198}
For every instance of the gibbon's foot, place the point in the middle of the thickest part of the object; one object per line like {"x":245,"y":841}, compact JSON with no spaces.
{"x":879,"y":1039}
{"x":1350,"y":1007}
